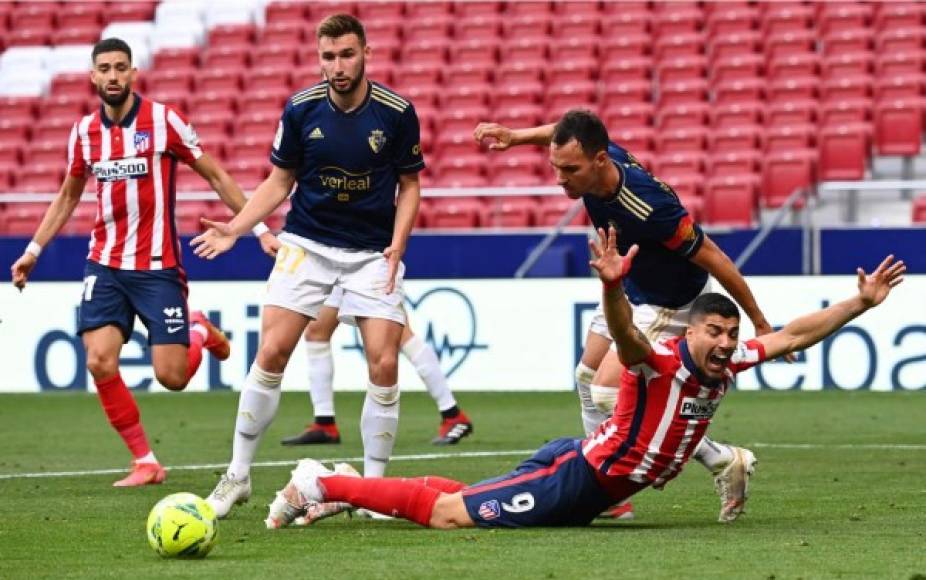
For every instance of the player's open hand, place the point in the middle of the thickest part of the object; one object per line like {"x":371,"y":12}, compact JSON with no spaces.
{"x":393,"y":259}
{"x":269,"y":244}
{"x":22,"y":268}
{"x":499,"y":137}
{"x":218,"y":239}
{"x":610,"y":265}
{"x":873,"y":288}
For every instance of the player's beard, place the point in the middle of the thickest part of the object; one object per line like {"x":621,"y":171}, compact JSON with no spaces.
{"x":354,"y":83}
{"x":114,"y":100}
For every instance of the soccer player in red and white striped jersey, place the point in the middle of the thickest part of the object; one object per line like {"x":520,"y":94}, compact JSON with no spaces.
{"x":132,"y":146}
{"x":670,"y":392}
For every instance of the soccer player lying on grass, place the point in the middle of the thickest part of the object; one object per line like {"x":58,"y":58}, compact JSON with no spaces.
{"x":670,"y":391}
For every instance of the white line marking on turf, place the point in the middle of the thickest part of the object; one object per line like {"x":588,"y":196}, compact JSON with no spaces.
{"x":205,"y":466}
{"x":463,"y":454}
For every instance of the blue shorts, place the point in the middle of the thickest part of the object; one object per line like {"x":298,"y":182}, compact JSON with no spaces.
{"x":115,"y":297}
{"x":555,"y":487}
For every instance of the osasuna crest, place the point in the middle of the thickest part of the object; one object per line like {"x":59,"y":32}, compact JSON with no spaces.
{"x":142,"y":141}
{"x":376,"y":140}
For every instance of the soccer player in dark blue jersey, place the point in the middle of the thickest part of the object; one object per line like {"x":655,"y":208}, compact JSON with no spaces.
{"x":672,"y":269}
{"x":351,"y":147}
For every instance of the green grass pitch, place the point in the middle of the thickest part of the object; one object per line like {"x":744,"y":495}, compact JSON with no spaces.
{"x":840,"y":493}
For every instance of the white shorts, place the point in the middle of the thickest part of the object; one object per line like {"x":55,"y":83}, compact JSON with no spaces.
{"x":307,"y":273}
{"x":656,"y":322}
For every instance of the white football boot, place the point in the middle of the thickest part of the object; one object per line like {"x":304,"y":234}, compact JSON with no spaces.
{"x":315,"y":511}
{"x":300,"y":493}
{"x":228,"y":493}
{"x":732,"y":483}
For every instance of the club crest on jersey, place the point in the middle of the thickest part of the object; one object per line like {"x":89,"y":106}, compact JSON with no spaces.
{"x":489,"y":510}
{"x":142,"y":141}
{"x":694,"y":408}
{"x":376,"y":140}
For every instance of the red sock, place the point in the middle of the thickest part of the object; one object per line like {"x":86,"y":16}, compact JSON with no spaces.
{"x":395,"y":496}
{"x":194,"y":354}
{"x":122,"y":412}
{"x":440,"y":483}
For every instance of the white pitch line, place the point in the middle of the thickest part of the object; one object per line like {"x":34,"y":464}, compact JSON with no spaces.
{"x":463,"y":454}
{"x":418,"y":457}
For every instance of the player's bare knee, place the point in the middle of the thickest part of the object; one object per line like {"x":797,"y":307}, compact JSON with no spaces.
{"x":102,"y":365}
{"x":272,"y":358}
{"x":384,"y":368}
{"x":173,"y":379}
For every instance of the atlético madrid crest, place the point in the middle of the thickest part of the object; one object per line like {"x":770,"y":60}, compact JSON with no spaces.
{"x":376,"y":140}
{"x":142,"y":141}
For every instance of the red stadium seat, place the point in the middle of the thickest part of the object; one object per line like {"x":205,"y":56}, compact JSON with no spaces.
{"x":791,"y":112}
{"x":64,"y":106}
{"x":627,"y":21}
{"x":81,"y":221}
{"x":793,"y":89}
{"x":510,"y":212}
{"x":846,"y":87}
{"x":258,"y":126}
{"x":527,"y":49}
{"x":22,"y":219}
{"x":840,"y":17}
{"x":172,"y":79}
{"x":460,"y":119}
{"x":322,"y":8}
{"x":437,"y":27}
{"x":680,"y":163}
{"x":288,"y":33}
{"x":845,"y":111}
{"x":629,"y":115}
{"x":129,"y":12}
{"x":466,"y":96}
{"x":626,"y":45}
{"x":456,"y":143}
{"x":218,"y":81}
{"x":629,"y":68}
{"x":732,"y":20}
{"x":378,"y":10}
{"x":848,"y":41}
{"x":787,"y":17}
{"x":626,"y":92}
{"x":580,"y":7}
{"x":11,"y":153}
{"x":782,"y":44}
{"x":169,"y":58}
{"x":568,"y":71}
{"x":794,"y":65}
{"x":899,"y":63}
{"x":15,"y":129}
{"x":574,"y":48}
{"x":676,"y":45}
{"x":843,"y":153}
{"x":433,"y":50}
{"x":730,"y":201}
{"x":735,"y":163}
{"x":75,"y":35}
{"x":849,"y":64}
{"x":522,"y":8}
{"x":418,"y":10}
{"x":80,"y":15}
{"x":687,"y":186}
{"x":899,"y":40}
{"x":468,"y":73}
{"x":737,"y":67}
{"x":739,"y":91}
{"x":526,"y":26}
{"x":33,"y":178}
{"x":905,"y":87}
{"x":34,"y":16}
{"x":456,"y":212}
{"x":892,"y":16}
{"x":683,"y":68}
{"x":576,"y":94}
{"x":212,"y":103}
{"x":736,"y":138}
{"x":187,"y":214}
{"x":919,"y":210}
{"x":553,"y":208}
{"x":20,"y":107}
{"x":681,"y":140}
{"x":470,"y":9}
{"x":686,"y":19}
{"x":634,"y":140}
{"x":576,"y":25}
{"x":732,"y":45}
{"x":684,"y":115}
{"x":519,"y":115}
{"x":248,"y":173}
{"x":737,"y":114}
{"x":898,"y":127}
{"x":277,"y":56}
{"x":474,"y":51}
{"x":55,"y":129}
{"x":789,"y":137}
{"x":783,"y":173}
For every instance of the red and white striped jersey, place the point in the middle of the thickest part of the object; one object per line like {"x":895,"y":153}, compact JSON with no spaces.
{"x":135,"y":165}
{"x":663,"y":410}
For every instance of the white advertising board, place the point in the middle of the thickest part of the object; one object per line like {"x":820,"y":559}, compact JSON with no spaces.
{"x":489,"y":334}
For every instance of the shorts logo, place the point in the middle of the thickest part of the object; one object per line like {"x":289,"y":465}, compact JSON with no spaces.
{"x":142,"y":141}
{"x":173,"y":316}
{"x":120,"y":169}
{"x":694,"y":408}
{"x":376,"y":140}
{"x":174,"y":312}
{"x":173,"y":329}
{"x":489,"y":510}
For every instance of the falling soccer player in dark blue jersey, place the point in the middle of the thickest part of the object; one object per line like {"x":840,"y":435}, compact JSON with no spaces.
{"x":347,"y":144}
{"x":676,"y":258}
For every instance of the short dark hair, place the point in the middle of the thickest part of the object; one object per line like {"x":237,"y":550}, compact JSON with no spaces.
{"x":111,"y":45}
{"x":712,"y":303}
{"x":583,"y":126}
{"x":338,"y":25}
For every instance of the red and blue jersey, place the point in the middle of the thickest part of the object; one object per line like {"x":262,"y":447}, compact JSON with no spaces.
{"x":664,"y":408}
{"x":347,"y":165}
{"x":647,"y":212}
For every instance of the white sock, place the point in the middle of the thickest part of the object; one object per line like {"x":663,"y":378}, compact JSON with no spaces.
{"x":591,"y":416}
{"x":321,"y":377}
{"x":257,"y":406}
{"x":201,"y":330}
{"x":422,"y":355}
{"x":147,"y":458}
{"x":712,"y":455}
{"x":379,"y":424}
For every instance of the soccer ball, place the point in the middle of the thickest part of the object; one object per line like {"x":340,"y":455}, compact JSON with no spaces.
{"x":182,"y":525}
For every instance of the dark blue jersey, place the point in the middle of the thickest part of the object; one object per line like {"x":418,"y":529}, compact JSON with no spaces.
{"x":347,"y":165}
{"x":647,"y":212}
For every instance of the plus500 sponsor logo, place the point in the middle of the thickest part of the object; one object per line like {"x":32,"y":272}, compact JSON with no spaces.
{"x":120,"y":169}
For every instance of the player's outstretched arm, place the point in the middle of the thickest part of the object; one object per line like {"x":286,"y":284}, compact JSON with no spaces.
{"x":501,"y":137}
{"x":810,"y":329}
{"x":632,"y":346}
{"x":221,"y":236}
{"x":230,"y":193}
{"x":407,"y":201}
{"x":55,"y":216}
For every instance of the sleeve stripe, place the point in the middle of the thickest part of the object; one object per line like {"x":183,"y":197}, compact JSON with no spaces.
{"x":636,"y":198}
{"x":383,"y":90}
{"x":390,"y":104}
{"x":181,"y":129}
{"x":631,"y":206}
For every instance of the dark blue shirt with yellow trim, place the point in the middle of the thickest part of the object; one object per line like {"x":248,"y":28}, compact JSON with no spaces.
{"x":647,"y":212}
{"x":347,"y":165}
